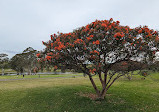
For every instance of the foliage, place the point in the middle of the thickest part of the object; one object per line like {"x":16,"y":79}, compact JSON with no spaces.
{"x":25,"y":61}
{"x":102,"y":44}
{"x":4,"y":62}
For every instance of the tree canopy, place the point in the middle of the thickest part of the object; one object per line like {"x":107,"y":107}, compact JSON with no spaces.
{"x":25,"y":61}
{"x":4,"y":62}
{"x":97,"y":47}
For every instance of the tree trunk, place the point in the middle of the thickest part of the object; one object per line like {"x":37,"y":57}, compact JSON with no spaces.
{"x":103,"y":93}
{"x":2,"y":71}
{"x":94,"y":85}
{"x":29,"y":70}
{"x":101,"y":80}
{"x":106,"y":84}
{"x":100,"y":94}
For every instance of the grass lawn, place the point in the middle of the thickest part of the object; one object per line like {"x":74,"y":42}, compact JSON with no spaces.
{"x":37,"y":76}
{"x":70,"y":95}
{"x":7,"y":71}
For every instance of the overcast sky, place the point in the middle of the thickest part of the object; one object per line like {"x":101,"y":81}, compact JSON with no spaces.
{"x":26,"y":23}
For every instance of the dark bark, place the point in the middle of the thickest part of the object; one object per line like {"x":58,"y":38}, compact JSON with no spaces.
{"x":105,"y":76}
{"x":94,"y":85}
{"x":106,"y":84}
{"x":100,"y":78}
{"x":105,"y":89}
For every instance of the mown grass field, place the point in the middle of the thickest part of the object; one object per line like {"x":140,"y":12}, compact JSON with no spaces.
{"x":70,"y":95}
{"x":37,"y":76}
{"x":7,"y":71}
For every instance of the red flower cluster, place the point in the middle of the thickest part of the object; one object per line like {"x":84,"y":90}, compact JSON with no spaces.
{"x":78,"y":41}
{"x":117,"y":22}
{"x":140,"y":31}
{"x":55,"y":35}
{"x":60,"y":46}
{"x":154,"y":52}
{"x":48,"y":57}
{"x":68,"y":44}
{"x":146,"y":30}
{"x":126,"y":30}
{"x":51,"y":37}
{"x":87,"y":28}
{"x":51,"y":44}
{"x":124,"y":63}
{"x":55,"y":67}
{"x":88,"y":38}
{"x":104,"y":25}
{"x":50,"y":53}
{"x":92,"y":71}
{"x":111,"y":19}
{"x":94,"y":52}
{"x":91,"y":36}
{"x":119,"y":34}
{"x":96,"y":42}
{"x":155,"y":32}
{"x":109,"y":27}
{"x":38,"y":55}
{"x":157,"y":38}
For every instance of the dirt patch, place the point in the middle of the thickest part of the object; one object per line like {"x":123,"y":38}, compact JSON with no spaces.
{"x":88,"y":95}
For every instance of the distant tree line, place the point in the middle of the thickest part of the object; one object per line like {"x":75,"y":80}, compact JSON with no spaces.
{"x":4,"y":62}
{"x":23,"y":62}
{"x":29,"y":62}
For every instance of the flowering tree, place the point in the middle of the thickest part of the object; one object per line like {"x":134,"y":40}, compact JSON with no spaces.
{"x":97,"y":47}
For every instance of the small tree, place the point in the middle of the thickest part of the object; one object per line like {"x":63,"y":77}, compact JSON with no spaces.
{"x":25,"y":61}
{"x":98,"y":46}
{"x":29,"y":59}
{"x":4,"y":60}
{"x":132,"y":68}
{"x":17,"y":63}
